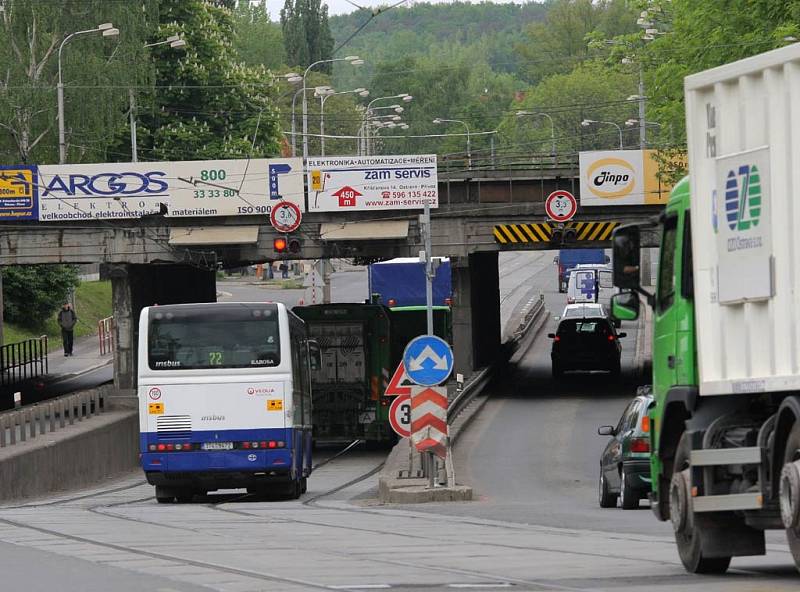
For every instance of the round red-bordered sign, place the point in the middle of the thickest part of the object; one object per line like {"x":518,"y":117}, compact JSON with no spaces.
{"x":560,"y":206}
{"x":285,"y":216}
{"x":400,"y":416}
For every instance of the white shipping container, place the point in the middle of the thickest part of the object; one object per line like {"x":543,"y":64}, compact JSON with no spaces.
{"x":743,"y":122}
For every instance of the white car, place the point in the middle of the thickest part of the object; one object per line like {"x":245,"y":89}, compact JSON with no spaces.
{"x":589,"y":283}
{"x":583,"y":310}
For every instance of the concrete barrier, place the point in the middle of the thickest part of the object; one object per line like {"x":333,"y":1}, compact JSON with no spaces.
{"x":75,"y":457}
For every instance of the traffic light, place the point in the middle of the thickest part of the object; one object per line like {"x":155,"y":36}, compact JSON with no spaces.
{"x":570,"y":235}
{"x":286,"y":244}
{"x":558,"y":235}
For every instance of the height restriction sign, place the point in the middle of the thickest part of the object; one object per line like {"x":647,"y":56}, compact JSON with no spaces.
{"x":285,"y":217}
{"x":560,"y":206}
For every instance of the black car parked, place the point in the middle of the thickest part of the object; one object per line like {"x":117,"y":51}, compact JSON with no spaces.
{"x":588,"y":342}
{"x":625,"y":463}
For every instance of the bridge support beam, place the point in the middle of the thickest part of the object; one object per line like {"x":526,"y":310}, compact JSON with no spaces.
{"x":476,"y":311}
{"x":135,"y":286}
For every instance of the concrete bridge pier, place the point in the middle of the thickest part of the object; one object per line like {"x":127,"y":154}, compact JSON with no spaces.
{"x":476,"y":310}
{"x":135,"y":286}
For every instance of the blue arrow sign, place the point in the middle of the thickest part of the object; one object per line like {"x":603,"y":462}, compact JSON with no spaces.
{"x":275,"y":170}
{"x":428,"y":360}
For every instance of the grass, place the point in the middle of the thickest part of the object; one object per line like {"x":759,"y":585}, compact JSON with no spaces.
{"x":92,"y":303}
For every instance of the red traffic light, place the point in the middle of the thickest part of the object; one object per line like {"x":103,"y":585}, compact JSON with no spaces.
{"x":279,"y":245}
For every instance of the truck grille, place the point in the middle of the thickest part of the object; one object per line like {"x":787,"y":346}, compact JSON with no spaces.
{"x":173,"y":426}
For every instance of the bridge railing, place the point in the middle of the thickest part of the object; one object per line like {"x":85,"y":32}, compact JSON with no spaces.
{"x":29,"y":422}
{"x":458,"y":163}
{"x":23,"y":360}
{"x":105,"y":335}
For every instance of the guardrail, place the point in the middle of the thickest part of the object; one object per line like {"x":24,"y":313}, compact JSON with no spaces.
{"x":105,"y":333}
{"x":482,"y":378}
{"x":23,"y":360}
{"x":29,"y":422}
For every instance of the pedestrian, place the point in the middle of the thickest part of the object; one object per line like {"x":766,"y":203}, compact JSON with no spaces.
{"x":66,"y":320}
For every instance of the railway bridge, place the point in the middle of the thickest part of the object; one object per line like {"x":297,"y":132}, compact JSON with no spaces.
{"x":482,"y":210}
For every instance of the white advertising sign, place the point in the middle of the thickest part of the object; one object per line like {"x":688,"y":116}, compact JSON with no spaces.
{"x":612,"y":178}
{"x":186,"y":188}
{"x":741,"y":221}
{"x":363,"y":183}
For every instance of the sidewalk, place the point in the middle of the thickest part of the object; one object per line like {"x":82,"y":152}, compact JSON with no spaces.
{"x":86,"y":356}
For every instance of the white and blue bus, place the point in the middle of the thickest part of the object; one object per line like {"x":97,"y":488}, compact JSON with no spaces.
{"x":224,"y":399}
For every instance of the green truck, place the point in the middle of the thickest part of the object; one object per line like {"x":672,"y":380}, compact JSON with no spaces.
{"x":725,"y":424}
{"x":361,"y":345}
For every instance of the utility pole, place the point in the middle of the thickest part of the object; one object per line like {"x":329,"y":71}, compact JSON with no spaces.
{"x":132,"y":113}
{"x":642,"y":123}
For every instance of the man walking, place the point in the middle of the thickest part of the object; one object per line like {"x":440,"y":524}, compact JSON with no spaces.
{"x":66,"y":320}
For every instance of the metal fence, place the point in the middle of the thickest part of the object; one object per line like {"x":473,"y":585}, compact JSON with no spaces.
{"x":29,"y":422}
{"x":23,"y":360}
{"x":105,"y":333}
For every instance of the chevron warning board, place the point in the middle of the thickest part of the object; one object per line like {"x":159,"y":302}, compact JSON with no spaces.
{"x":429,"y":419}
{"x":541,"y":232}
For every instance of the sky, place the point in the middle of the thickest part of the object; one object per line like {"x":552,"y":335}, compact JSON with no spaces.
{"x":344,"y":7}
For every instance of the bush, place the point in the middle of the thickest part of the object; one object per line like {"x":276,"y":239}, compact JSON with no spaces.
{"x":32,"y":293}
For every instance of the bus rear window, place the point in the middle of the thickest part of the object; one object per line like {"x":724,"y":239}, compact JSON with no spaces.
{"x":206,"y":337}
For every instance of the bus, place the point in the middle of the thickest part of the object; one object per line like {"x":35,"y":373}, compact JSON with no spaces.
{"x":224,"y":395}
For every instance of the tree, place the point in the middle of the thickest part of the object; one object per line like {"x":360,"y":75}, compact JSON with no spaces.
{"x":258,"y":40}
{"x":306,"y":33}
{"x":206,"y":104}
{"x":96,"y":72}
{"x":32,"y":293}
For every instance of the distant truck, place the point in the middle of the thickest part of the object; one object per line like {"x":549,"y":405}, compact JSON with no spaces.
{"x":725,"y":425}
{"x":567,"y":259}
{"x":401,"y":282}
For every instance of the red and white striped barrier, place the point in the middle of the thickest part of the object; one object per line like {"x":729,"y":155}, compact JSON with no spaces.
{"x":429,"y":419}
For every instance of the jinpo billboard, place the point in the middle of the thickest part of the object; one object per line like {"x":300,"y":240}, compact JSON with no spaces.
{"x":621,"y":178}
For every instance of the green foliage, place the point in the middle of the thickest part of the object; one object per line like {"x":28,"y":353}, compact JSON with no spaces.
{"x":258,"y":40}
{"x":32,"y":293}
{"x":93,"y":69}
{"x":306,"y":33}
{"x":590,"y":91}
{"x":702,"y":35}
{"x":207,"y":105}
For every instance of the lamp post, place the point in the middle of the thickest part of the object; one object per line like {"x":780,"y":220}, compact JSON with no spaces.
{"x":469,"y":148}
{"x":552,"y":127}
{"x":361,"y":92}
{"x":175,"y":42}
{"x":588,"y":122}
{"x":318,"y":89}
{"x":352,"y":60}
{"x":405,"y":97}
{"x":107,"y":30}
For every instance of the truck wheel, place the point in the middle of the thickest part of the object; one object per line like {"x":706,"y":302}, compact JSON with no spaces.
{"x":607,"y":499}
{"x":790,"y":492}
{"x":687,"y":536}
{"x":628,"y":496}
{"x":303,"y":485}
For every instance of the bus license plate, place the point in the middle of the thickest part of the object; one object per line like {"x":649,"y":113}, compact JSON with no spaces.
{"x":217,"y":445}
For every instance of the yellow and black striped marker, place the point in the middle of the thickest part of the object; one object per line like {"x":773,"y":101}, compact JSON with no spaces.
{"x":542,"y":232}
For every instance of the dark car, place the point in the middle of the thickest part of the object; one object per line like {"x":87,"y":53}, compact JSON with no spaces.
{"x":586,"y":342}
{"x":625,"y":463}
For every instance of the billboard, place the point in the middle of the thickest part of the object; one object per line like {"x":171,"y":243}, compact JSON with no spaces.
{"x":18,"y":193}
{"x":366,"y":183}
{"x":621,"y":178}
{"x":187,"y":188}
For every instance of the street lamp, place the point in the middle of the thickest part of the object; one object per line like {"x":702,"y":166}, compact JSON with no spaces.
{"x":552,"y":127}
{"x":319,"y":91}
{"x":439,"y":120}
{"x":107,"y":30}
{"x":175,"y":41}
{"x":405,"y":97}
{"x":588,"y":122}
{"x":353,"y":60}
{"x":361,"y":92}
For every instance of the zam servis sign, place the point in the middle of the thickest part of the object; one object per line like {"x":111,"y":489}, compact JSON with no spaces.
{"x":130,"y":190}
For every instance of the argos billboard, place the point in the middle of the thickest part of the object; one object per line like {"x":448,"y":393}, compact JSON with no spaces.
{"x":61,"y":193}
{"x":621,"y":178}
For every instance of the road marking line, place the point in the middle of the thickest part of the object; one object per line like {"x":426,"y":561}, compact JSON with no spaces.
{"x":482,"y":586}
{"x":361,"y":587}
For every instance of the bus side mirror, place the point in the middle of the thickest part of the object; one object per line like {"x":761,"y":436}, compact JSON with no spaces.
{"x":626,"y":245}
{"x":625,"y":306}
{"x":314,"y":355}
